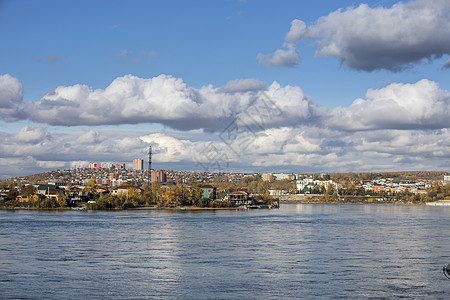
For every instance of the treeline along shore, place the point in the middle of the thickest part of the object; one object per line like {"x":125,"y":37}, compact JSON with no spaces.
{"x":220,"y":190}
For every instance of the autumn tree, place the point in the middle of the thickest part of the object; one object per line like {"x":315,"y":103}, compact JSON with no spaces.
{"x":170,"y":196}
{"x":92,"y":187}
{"x":61,"y":200}
{"x":28,"y":190}
{"x":12,"y":192}
{"x":196,"y":196}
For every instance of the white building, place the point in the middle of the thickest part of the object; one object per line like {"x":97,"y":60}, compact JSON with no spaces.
{"x":278,"y":192}
{"x":446,"y":179}
{"x":284,"y":176}
{"x":305,"y":184}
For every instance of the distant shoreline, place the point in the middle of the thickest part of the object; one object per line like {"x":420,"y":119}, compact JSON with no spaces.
{"x":181,"y":208}
{"x":195,"y":208}
{"x":349,"y":202}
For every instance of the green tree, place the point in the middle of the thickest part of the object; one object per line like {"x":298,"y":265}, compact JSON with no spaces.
{"x":12,"y":192}
{"x":91,"y":186}
{"x":267,"y":195}
{"x":196,"y":196}
{"x":107,"y":202}
{"x":28,"y":190}
{"x":148,"y":197}
{"x":49,"y":203}
{"x":263,"y":186}
{"x":133,"y":198}
{"x":62,"y":200}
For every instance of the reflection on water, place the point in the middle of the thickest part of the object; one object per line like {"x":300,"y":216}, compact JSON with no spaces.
{"x":299,"y":251}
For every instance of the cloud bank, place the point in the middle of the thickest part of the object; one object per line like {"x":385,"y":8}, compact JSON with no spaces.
{"x":169,"y":101}
{"x":163,"y":99}
{"x":288,"y":149}
{"x":276,"y":127}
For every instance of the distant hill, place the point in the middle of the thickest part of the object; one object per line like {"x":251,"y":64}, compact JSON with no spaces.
{"x":404,"y":175}
{"x":69,"y":175}
{"x":42,"y":178}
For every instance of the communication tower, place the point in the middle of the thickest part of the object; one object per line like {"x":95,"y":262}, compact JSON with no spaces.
{"x":149,"y":165}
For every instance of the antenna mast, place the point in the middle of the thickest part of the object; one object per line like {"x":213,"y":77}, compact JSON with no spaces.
{"x":149,"y":165}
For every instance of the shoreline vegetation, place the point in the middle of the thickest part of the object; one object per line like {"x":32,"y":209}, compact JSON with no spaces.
{"x":195,"y":208}
{"x":205,"y":208}
{"x":225,"y":192}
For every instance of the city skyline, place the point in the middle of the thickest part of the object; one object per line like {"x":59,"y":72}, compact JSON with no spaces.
{"x":235,"y":86}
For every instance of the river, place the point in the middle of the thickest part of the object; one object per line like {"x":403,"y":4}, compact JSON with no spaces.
{"x":300,"y":251}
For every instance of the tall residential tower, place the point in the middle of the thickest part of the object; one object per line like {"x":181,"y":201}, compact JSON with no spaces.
{"x":138,"y":164}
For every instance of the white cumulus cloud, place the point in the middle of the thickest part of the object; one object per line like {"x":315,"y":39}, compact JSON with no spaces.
{"x":393,"y":38}
{"x":168,"y":148}
{"x":32,"y":135}
{"x":289,"y":56}
{"x":243,"y":85}
{"x":446,"y":66}
{"x":11,"y":93}
{"x":90,"y":137}
{"x":422,"y":105}
{"x":371,"y":38}
{"x":165,"y":100}
{"x":297,"y":32}
{"x":283,"y":58}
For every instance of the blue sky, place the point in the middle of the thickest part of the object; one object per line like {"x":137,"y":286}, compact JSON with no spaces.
{"x":360,"y":85}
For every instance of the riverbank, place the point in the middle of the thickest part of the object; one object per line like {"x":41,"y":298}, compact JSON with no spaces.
{"x":194,"y":208}
{"x":186,"y":208}
{"x":154,"y":207}
{"x":319,"y":199}
{"x":351,"y":202}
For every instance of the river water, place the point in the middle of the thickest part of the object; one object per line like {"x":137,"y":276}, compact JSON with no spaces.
{"x":300,"y":251}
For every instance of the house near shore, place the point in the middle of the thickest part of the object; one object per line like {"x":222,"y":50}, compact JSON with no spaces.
{"x":22,"y":198}
{"x":126,"y":190}
{"x":208,"y":192}
{"x":238,"y":198}
{"x":51,"y":191}
{"x":243,"y":198}
{"x":31,"y":198}
{"x":77,"y":194}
